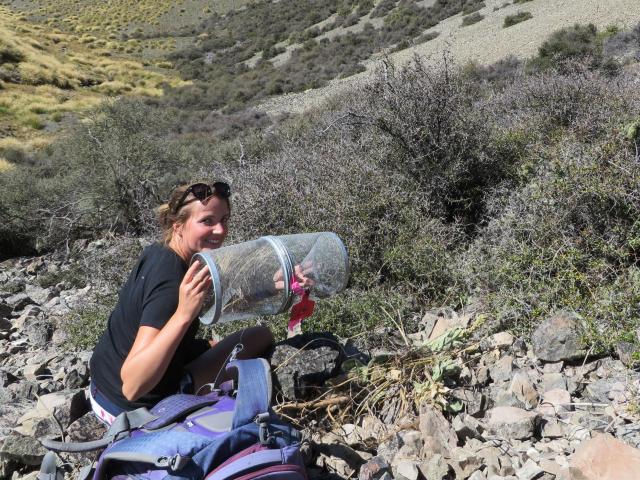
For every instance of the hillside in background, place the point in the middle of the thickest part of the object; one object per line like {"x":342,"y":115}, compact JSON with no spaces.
{"x":234,"y":54}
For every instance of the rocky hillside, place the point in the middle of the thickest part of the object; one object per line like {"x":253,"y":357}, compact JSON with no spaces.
{"x":483,"y":42}
{"x":446,"y":402}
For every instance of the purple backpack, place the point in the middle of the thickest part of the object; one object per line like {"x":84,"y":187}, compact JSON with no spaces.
{"x":215,"y":436}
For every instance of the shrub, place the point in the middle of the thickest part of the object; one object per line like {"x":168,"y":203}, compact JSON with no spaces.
{"x":383,"y":7}
{"x":472,"y":6}
{"x":107,"y":174}
{"x":565,"y":242}
{"x":623,"y":45}
{"x":471,"y":19}
{"x":516,"y":18}
{"x":577,"y":42}
{"x":84,"y":326}
{"x":438,"y":137}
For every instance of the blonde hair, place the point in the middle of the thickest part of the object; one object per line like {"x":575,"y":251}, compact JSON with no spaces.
{"x":168,"y":216}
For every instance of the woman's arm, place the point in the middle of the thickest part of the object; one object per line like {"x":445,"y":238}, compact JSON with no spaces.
{"x":154,"y":348}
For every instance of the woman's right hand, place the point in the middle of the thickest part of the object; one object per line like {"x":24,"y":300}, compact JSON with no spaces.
{"x":193,"y":290}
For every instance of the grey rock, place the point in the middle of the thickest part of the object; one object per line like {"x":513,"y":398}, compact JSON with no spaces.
{"x":303,"y":363}
{"x":477,"y":475}
{"x":373,"y":469}
{"x":407,"y":468}
{"x":437,"y":433}
{"x":553,"y":367}
{"x":512,"y":423}
{"x":467,"y":427}
{"x":22,"y":449}
{"x":501,"y":371}
{"x":389,"y":448}
{"x":339,"y":458}
{"x":5,"y":310}
{"x":39,"y":295}
{"x":66,"y":406}
{"x":555,"y":402}
{"x":76,"y":377}
{"x":5,"y":325}
{"x":436,"y":468}
{"x":558,"y":338}
{"x":26,"y":390}
{"x":553,"y":429}
{"x":332,"y":444}
{"x":600,"y":390}
{"x":411,"y":442}
{"x":501,"y":340}
{"x":87,"y":428}
{"x":529,"y":471}
{"x":35,"y":371}
{"x":464,"y":462}
{"x":29,"y":313}
{"x":475,"y":403}
{"x":553,"y":381}
{"x":39,"y":332}
{"x":6,"y":378}
{"x":18,"y":301}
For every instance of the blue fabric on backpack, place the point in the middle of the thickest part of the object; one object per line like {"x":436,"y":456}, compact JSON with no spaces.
{"x":150,"y":454}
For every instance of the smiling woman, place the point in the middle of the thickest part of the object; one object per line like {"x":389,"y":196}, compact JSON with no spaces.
{"x":149,"y":349}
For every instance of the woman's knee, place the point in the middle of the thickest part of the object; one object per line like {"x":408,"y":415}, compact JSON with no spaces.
{"x":257,"y":341}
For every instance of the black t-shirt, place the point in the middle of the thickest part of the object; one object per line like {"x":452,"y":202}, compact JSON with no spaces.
{"x":150,"y":298}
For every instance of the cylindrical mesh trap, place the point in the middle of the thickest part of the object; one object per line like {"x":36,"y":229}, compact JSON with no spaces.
{"x":254,"y":278}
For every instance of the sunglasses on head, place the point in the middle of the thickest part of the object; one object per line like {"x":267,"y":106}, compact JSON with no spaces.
{"x":202,"y":191}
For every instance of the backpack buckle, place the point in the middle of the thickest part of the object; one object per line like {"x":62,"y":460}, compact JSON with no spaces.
{"x":262,"y":419}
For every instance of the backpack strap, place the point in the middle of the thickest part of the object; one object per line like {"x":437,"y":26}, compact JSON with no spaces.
{"x":254,"y":389}
{"x":120,"y":428}
{"x":49,"y":468}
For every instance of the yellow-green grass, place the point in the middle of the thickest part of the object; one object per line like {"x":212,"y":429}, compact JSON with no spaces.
{"x":96,"y":22}
{"x":46,"y":75}
{"x":5,"y":165}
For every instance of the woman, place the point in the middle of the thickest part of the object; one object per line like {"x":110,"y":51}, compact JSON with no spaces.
{"x":149,"y":349}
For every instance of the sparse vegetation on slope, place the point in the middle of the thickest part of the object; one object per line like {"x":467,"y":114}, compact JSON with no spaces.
{"x":221,"y":79}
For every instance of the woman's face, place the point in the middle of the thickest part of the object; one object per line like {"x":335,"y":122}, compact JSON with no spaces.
{"x":206,"y":227}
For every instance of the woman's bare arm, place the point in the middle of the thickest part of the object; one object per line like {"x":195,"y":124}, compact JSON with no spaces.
{"x":154,"y":348}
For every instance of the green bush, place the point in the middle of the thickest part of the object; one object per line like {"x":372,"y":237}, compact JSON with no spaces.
{"x":440,"y":137}
{"x":84,"y":326}
{"x":472,"y":6}
{"x":471,"y":19}
{"x":567,"y":240}
{"x":511,"y":20}
{"x":577,"y":42}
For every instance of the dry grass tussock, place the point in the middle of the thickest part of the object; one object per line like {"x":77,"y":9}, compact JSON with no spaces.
{"x":127,"y":26}
{"x":47,"y":78}
{"x":5,"y":165}
{"x":389,"y":385}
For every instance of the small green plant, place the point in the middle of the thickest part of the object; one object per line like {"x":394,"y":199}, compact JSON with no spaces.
{"x":84,"y":326}
{"x":471,"y":19}
{"x":511,"y":20}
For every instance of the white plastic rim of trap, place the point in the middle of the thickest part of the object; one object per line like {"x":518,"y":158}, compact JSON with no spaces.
{"x":254,"y":278}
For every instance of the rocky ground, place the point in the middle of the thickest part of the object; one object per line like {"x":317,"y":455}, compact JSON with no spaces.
{"x":506,"y":407}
